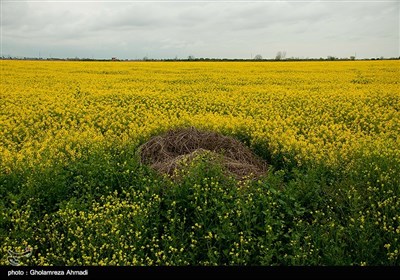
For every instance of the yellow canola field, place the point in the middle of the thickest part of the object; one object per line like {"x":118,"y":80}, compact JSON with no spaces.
{"x":330,"y":113}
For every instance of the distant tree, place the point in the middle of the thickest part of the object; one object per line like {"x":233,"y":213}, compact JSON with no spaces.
{"x":258,"y":57}
{"x":191,"y":57}
{"x":145,"y":58}
{"x":280,"y":55}
{"x":331,"y":57}
{"x":352,"y":57}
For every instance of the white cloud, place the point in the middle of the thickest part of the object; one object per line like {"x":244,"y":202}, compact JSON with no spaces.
{"x":219,"y":29}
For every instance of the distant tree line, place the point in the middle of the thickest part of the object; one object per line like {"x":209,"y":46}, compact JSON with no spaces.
{"x":280,"y":56}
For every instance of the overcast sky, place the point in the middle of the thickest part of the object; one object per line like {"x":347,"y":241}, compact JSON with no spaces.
{"x":218,"y":29}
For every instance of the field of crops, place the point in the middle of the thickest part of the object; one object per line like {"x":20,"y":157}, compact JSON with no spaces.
{"x":73,"y":189}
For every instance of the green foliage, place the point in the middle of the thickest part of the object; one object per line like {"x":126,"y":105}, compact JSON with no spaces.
{"x":107,"y":209}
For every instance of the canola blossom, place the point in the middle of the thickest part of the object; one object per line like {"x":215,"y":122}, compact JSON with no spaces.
{"x":67,"y":128}
{"x":306,"y":112}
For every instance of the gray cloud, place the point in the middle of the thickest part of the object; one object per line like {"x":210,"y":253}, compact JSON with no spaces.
{"x":218,"y":29}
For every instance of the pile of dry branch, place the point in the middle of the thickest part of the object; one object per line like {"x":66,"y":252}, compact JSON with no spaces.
{"x":167,"y":152}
